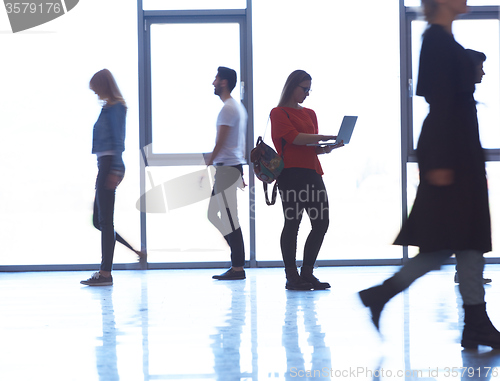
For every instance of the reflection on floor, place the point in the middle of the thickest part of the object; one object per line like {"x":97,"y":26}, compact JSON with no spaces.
{"x":182,"y":325}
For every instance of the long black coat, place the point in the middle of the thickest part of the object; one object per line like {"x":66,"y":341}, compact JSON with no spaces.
{"x":456,"y":216}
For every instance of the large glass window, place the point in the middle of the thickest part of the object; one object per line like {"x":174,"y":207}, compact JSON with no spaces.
{"x":184,"y":55}
{"x":181,"y":231}
{"x":184,"y":62}
{"x":48,"y":112}
{"x":352,"y":55}
{"x":493,"y":174}
{"x":471,"y":34}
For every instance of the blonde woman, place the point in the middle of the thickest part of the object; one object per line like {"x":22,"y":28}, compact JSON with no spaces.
{"x":108,"y":143}
{"x":301,"y":184}
{"x":451,"y":213}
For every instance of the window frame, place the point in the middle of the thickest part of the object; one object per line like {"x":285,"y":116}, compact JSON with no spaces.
{"x":408,"y":152}
{"x":146,"y":18}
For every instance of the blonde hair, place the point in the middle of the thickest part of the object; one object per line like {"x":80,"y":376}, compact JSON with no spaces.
{"x":430,"y":8}
{"x":104,"y":85}
{"x":293,"y":80}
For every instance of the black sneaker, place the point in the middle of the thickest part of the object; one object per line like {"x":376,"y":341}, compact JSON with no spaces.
{"x":231,"y":275}
{"x":97,"y":279}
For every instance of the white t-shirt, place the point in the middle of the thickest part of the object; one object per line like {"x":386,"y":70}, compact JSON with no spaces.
{"x":234,"y":115}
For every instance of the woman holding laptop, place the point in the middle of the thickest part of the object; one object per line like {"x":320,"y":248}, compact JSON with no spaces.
{"x":301,"y":186}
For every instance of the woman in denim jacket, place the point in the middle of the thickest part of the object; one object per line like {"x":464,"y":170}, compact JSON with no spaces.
{"x":108,"y":143}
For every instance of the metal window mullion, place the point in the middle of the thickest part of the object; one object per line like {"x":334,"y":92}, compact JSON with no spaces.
{"x":405,"y":103}
{"x":248,"y":65}
{"x":143,"y":130}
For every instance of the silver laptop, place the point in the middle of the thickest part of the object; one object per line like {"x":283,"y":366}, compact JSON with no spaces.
{"x":345,"y":132}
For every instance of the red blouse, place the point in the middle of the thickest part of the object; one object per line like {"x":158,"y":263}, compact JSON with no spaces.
{"x":287,"y":127}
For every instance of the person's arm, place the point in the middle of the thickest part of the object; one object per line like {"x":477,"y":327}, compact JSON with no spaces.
{"x":440,"y":177}
{"x":116,"y":119}
{"x":222,"y":135}
{"x":302,"y":139}
{"x":437,"y":82}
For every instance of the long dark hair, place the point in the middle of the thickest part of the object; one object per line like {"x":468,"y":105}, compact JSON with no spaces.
{"x":291,"y":84}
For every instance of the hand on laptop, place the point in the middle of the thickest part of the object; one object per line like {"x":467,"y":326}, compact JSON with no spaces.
{"x":330,"y":148}
{"x":323,"y":138}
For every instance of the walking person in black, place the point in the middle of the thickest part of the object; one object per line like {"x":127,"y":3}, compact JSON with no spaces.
{"x":451,"y":212}
{"x":478,"y":59}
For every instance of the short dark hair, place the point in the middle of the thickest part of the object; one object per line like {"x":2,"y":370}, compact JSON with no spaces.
{"x":477,"y":57}
{"x":229,"y":75}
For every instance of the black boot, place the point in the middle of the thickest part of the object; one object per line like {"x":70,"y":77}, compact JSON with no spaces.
{"x":478,"y":329}
{"x":376,"y":297}
{"x":294,"y":281}
{"x":306,"y":273}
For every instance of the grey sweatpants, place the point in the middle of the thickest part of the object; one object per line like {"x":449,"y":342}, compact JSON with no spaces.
{"x":470,"y":265}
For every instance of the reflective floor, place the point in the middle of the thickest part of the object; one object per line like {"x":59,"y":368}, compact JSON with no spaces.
{"x":182,"y":325}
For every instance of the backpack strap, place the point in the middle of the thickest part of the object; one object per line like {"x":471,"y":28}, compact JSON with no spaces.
{"x":283,"y":141}
{"x":274,"y":193}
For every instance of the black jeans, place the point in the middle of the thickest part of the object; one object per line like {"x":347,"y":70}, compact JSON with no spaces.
{"x":302,"y":189}
{"x":104,"y":206}
{"x":223,"y":210}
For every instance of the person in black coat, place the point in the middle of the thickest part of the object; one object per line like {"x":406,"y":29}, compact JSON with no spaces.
{"x":451,"y":213}
{"x":478,"y":59}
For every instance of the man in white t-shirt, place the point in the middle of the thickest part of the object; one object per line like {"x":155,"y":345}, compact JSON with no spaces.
{"x":228,"y":157}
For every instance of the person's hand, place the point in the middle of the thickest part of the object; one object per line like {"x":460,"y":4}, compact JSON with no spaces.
{"x":440,"y":177}
{"x":327,"y":137}
{"x":113,"y":180}
{"x":330,"y":148}
{"x":208,"y":158}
